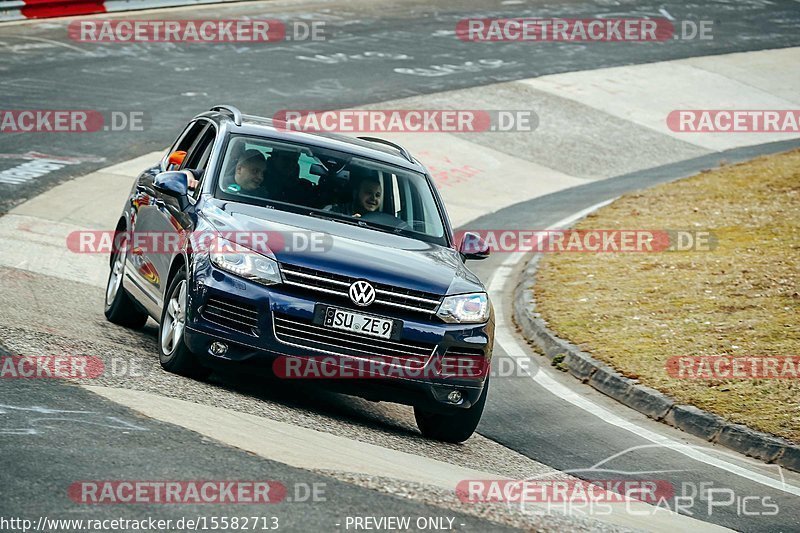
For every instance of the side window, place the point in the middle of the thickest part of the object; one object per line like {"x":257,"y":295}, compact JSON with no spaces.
{"x":206,"y":155}
{"x":188,"y":138}
{"x":198,"y":156}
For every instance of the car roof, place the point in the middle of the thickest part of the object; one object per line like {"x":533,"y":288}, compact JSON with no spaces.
{"x":265,"y":127}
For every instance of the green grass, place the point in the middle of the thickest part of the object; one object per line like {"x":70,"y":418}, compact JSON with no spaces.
{"x":634,"y":311}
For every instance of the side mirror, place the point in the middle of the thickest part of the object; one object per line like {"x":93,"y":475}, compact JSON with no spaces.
{"x":173,"y":183}
{"x":473,"y":247}
{"x":176,"y":158}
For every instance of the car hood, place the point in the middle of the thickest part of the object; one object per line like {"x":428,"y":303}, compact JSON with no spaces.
{"x":348,"y":250}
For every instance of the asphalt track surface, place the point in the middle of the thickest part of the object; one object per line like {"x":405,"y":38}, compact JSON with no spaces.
{"x":40,"y":68}
{"x":373,"y":52}
{"x":81,"y":436}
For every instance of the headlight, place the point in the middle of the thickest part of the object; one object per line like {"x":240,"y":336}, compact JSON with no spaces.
{"x":236,"y":259}
{"x":465,"y":308}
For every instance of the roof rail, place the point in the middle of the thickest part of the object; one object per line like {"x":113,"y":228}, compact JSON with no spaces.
{"x":403,"y":151}
{"x":233,"y":110}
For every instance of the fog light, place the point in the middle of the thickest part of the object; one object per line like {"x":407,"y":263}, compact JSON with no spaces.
{"x":218,"y":348}
{"x":454,"y":396}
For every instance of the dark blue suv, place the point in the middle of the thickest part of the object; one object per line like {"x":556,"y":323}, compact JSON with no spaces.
{"x":306,"y":255}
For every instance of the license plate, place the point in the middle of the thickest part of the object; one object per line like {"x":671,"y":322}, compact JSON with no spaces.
{"x":358,"y":323}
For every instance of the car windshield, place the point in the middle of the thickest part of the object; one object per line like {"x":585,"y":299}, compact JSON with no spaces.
{"x":327,"y":183}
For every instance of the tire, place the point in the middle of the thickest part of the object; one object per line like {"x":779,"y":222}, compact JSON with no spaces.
{"x":453,"y":427}
{"x":174,"y":355}
{"x":119,"y":306}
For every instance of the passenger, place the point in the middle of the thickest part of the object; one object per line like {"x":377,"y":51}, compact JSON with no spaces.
{"x":195,"y":177}
{"x":366,"y":198}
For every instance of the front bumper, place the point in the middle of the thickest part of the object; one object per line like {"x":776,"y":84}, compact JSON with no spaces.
{"x":253,"y":344}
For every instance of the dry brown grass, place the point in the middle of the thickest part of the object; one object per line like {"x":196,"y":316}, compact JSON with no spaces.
{"x":636,"y":310}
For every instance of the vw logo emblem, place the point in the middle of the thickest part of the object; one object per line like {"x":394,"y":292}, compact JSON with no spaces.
{"x":362,"y":293}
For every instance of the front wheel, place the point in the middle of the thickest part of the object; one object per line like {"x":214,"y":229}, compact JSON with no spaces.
{"x":454,"y":427}
{"x":174,"y":355}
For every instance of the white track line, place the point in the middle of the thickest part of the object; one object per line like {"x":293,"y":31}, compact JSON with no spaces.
{"x":506,"y":338}
{"x":54,"y":43}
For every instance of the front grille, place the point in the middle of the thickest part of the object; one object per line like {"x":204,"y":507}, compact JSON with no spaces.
{"x":231,"y":314}
{"x":338,"y":285}
{"x":304,"y":334}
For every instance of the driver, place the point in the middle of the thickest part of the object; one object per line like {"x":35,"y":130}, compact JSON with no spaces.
{"x":248,"y":173}
{"x":366,"y":198}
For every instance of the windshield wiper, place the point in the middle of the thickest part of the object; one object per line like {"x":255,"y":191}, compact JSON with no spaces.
{"x":356,"y":222}
{"x":317,"y":214}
